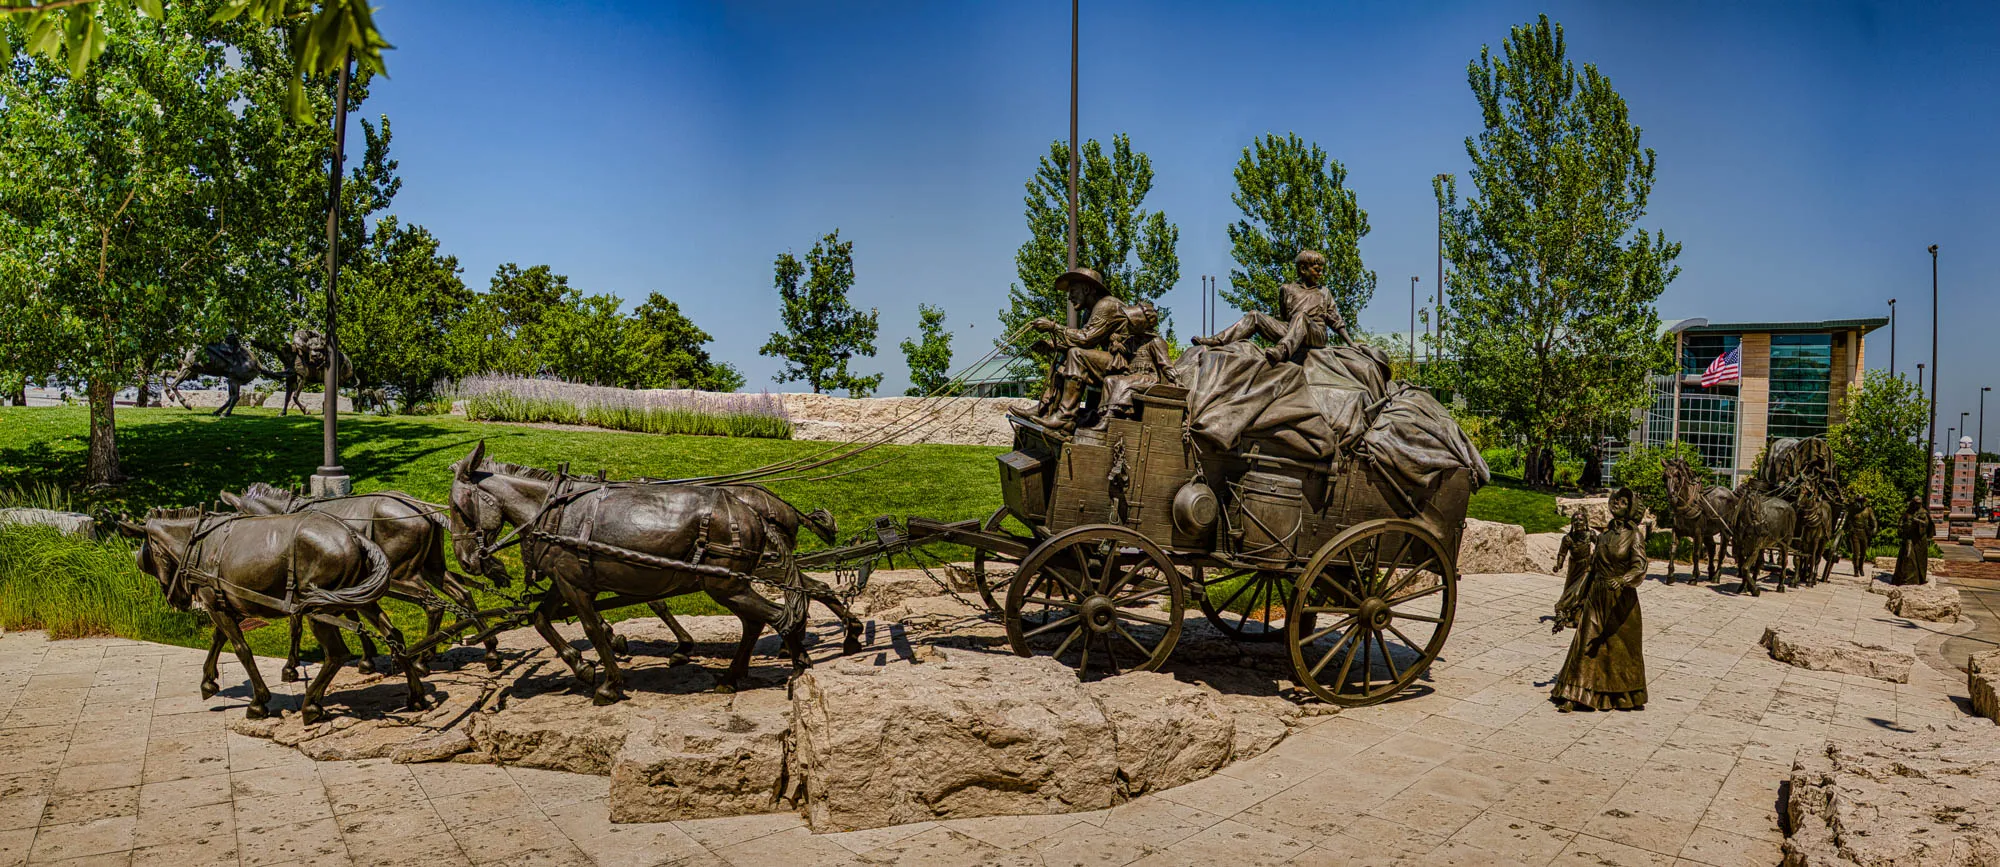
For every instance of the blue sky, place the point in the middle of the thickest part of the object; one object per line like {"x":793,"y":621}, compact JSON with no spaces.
{"x":1808,"y":152}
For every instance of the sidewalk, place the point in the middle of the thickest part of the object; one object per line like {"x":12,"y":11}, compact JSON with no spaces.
{"x":108,"y":756}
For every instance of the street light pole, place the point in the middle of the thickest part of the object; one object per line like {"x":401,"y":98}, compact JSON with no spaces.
{"x":1892,"y":337}
{"x":1934,"y":369}
{"x":1413,"y":320}
{"x":1981,"y":446}
{"x":1073,"y":174}
{"x":332,"y":479}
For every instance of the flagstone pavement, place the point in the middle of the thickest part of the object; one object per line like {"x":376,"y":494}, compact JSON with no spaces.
{"x":108,"y":756}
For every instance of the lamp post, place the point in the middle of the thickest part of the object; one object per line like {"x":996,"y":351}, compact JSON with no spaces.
{"x":1932,"y":449}
{"x":331,"y":480}
{"x":1413,"y":320}
{"x":1072,"y":150}
{"x":1440,"y":179}
{"x":1920,"y":379}
{"x":1980,"y":447}
{"x":1892,"y":337}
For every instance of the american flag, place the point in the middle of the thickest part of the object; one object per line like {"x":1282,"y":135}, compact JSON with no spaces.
{"x":1727,"y":367}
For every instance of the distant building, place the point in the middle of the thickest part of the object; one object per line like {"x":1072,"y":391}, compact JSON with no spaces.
{"x":1793,"y":377}
{"x":1000,"y":377}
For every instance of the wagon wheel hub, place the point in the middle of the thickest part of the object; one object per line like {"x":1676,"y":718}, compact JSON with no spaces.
{"x":1100,"y":613}
{"x":1374,"y":612}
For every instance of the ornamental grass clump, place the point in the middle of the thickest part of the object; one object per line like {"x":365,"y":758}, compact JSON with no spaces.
{"x":701,"y":413}
{"x":74,"y":587}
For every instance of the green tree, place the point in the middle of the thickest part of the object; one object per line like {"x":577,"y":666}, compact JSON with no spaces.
{"x":398,"y":310}
{"x":515,"y":306}
{"x":1552,"y":283}
{"x":583,"y":340}
{"x":1877,"y":445}
{"x":823,"y":332}
{"x":667,"y":350}
{"x":1134,"y":249}
{"x":929,"y":358}
{"x":1294,"y":197}
{"x":127,"y":197}
{"x":1643,"y":470}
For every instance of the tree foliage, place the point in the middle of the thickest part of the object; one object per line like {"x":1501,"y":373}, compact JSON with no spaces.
{"x":1552,"y":282}
{"x":1643,"y":469}
{"x":1294,"y":197}
{"x":398,"y":310}
{"x":930,"y":357}
{"x":667,"y":350}
{"x":1133,"y":248}
{"x":1877,"y":444}
{"x":823,"y":331}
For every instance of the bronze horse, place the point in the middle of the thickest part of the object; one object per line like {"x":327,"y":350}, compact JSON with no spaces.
{"x":1700,"y":511}
{"x":305,"y":360}
{"x":233,"y":361}
{"x":409,"y":531}
{"x":237,"y":567}
{"x":638,"y":543}
{"x":1815,"y":529}
{"x":1762,"y":522}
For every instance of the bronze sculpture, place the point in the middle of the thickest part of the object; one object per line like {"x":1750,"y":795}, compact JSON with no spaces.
{"x":232,"y":360}
{"x":1697,"y":510}
{"x":1142,"y":360}
{"x":410,"y":532}
{"x":1575,"y":551}
{"x":1761,"y":523}
{"x":1606,"y":666}
{"x":1814,"y":533}
{"x":1086,"y":352}
{"x":1913,"y":555}
{"x":1306,"y":315}
{"x":238,"y":567}
{"x":1862,"y":526}
{"x":305,"y":359}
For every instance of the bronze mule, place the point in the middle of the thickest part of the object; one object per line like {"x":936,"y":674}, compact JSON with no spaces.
{"x":1761,"y":523}
{"x":1700,"y":511}
{"x":584,"y":535}
{"x":410,"y":532}
{"x":237,"y":567}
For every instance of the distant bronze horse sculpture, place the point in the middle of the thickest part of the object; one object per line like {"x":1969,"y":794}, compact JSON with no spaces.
{"x":638,"y":542}
{"x":305,"y":360}
{"x":232,"y":360}
{"x":1762,"y":522}
{"x":409,"y":531}
{"x":1700,"y":511}
{"x":270,"y":568}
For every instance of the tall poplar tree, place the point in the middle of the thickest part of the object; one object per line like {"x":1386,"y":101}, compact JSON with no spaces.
{"x":929,"y":358}
{"x":1552,"y":282}
{"x":823,"y":332}
{"x":1132,"y":247}
{"x":1294,"y":197}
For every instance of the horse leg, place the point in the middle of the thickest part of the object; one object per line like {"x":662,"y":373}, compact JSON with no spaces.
{"x":366,"y":664}
{"x":610,"y":688}
{"x":683,"y":642}
{"x":208,"y":686}
{"x":290,"y":674}
{"x":755,"y":611}
{"x":1673,"y":550}
{"x":311,"y":711}
{"x":544,"y":611}
{"x":1749,"y":562}
{"x":413,"y":670}
{"x":260,"y":696}
{"x":462,"y":596}
{"x":227,"y":405}
{"x":851,"y":627}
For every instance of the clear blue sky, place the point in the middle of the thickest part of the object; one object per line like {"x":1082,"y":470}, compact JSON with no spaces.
{"x":1808,"y":152}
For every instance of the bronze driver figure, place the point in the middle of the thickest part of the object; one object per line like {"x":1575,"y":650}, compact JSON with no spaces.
{"x":1306,"y":315}
{"x":1086,"y":352}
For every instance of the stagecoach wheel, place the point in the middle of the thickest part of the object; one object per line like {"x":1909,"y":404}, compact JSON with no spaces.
{"x":1092,"y":597}
{"x":1384,"y":592}
{"x":1255,"y":609}
{"x":992,"y":588}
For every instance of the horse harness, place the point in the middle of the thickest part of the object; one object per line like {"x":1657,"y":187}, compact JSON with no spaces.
{"x":187,"y":573}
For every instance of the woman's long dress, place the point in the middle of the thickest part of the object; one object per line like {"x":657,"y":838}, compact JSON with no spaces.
{"x":1575,"y":549}
{"x":1606,"y":667}
{"x":1913,"y":558}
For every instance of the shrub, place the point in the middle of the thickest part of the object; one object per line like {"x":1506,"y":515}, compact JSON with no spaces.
{"x":75,"y":587}
{"x":1641,"y":469}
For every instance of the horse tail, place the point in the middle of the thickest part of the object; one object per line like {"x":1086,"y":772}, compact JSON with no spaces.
{"x":369,"y":589}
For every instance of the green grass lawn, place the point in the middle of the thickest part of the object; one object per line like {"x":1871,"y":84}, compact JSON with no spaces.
{"x":177,"y":457}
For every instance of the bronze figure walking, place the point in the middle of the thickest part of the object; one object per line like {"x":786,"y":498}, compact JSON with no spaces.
{"x":1606,"y":667}
{"x":1699,"y":511}
{"x":1913,"y":556}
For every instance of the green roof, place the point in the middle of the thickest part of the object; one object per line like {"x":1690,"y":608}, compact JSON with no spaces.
{"x":1865,"y":325}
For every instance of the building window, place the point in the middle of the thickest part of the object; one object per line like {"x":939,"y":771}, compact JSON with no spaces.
{"x":1708,"y":416}
{"x":1801,"y":378}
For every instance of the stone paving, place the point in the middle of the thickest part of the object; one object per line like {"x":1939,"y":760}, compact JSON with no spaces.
{"x":108,"y":756}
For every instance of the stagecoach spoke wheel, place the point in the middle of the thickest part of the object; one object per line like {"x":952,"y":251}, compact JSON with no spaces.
{"x":1099,"y":598}
{"x":1250,"y":605}
{"x":1384,"y":593}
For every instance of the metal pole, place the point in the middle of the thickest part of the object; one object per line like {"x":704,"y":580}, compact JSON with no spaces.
{"x":1980,"y":447}
{"x":1072,"y":149}
{"x":332,"y":480}
{"x":1892,"y":337}
{"x":1680,"y":346}
{"x":1413,"y":320}
{"x":1441,"y":178}
{"x":1920,"y":379}
{"x":1934,"y":368}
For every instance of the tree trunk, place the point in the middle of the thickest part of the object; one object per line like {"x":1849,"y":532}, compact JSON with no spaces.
{"x":19,"y":395}
{"x":103,"y":434}
{"x":145,"y":383}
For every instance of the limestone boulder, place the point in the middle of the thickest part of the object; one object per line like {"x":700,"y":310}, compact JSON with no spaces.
{"x":1982,"y":680}
{"x":1820,"y":651}
{"x":703,"y":763}
{"x":1933,"y":601}
{"x":1929,"y":797}
{"x":1541,"y":549}
{"x":1492,"y":547}
{"x":437,"y":747}
{"x":890,"y":588}
{"x":1596,"y":510}
{"x":932,"y":612}
{"x":960,"y":420}
{"x":969,"y":735}
{"x":67,"y":523}
{"x":563,"y":735}
{"x":1168,"y":733}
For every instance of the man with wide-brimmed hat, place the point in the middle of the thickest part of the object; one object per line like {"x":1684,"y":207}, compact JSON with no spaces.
{"x":1086,"y":351}
{"x":1306,"y":314}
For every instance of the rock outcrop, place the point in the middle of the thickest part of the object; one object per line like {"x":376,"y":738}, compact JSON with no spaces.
{"x":1982,"y":681}
{"x":67,"y":523}
{"x":1542,"y":548}
{"x":1596,"y":510}
{"x":703,"y":764}
{"x":958,"y":420}
{"x":1931,"y":797}
{"x":974,"y":734}
{"x":1822,"y":652}
{"x":1493,"y":547}
{"x":1931,"y":601}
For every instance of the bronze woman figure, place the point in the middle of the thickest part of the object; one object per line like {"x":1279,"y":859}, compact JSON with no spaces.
{"x":1913,"y":557}
{"x":1575,"y":550}
{"x":1606,"y":667}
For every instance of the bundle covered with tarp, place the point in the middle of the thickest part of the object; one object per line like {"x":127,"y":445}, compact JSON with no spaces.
{"x":1339,"y":400}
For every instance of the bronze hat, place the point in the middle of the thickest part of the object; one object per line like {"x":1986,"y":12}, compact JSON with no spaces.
{"x":1087,"y":276}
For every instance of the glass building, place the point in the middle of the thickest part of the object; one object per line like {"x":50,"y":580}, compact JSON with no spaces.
{"x":1793,"y":377}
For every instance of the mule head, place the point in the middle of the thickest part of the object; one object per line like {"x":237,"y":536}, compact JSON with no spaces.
{"x":476,"y":520}
{"x":821,"y":522}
